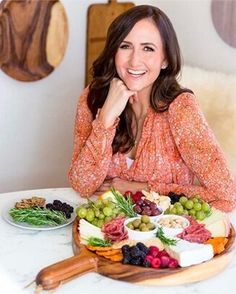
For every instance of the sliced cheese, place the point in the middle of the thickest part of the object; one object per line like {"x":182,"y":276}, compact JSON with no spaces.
{"x":217,"y":223}
{"x":188,"y":253}
{"x":87,"y":230}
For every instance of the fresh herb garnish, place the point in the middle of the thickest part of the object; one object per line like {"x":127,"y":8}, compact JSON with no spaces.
{"x":93,"y":241}
{"x":160,"y":234}
{"x":38,"y":216}
{"x":126,"y":205}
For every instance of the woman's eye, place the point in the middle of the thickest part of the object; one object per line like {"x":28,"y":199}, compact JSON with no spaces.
{"x":147,"y":48}
{"x":124,"y":46}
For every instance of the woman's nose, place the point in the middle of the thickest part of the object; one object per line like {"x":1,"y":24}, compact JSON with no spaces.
{"x":135,"y":58}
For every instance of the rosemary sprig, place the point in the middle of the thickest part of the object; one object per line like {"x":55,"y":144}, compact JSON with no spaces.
{"x":93,"y":241}
{"x":126,"y":205}
{"x":160,"y":234}
{"x":38,"y":216}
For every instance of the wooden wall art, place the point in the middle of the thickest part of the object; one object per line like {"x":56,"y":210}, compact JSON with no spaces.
{"x":224,"y":20}
{"x":33,"y":38}
{"x":99,"y":18}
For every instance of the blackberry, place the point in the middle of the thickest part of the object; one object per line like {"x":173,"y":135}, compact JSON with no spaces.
{"x":125,"y":248}
{"x":57,"y":202}
{"x":173,"y":197}
{"x":135,"y":251}
{"x":146,"y":263}
{"x":127,"y":258}
{"x":142,"y":247}
{"x":136,"y":261}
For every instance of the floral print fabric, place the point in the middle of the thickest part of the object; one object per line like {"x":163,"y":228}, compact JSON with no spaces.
{"x":176,"y":148}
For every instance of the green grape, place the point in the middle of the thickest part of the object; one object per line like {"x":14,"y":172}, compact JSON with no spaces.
{"x":101,"y":216}
{"x":107,"y":211}
{"x":94,"y":222}
{"x":81,"y":212}
{"x":100,"y":223}
{"x":173,"y":210}
{"x":200,"y":215}
{"x":122,"y":214}
{"x":195,"y":200}
{"x":98,"y":203}
{"x":177,"y":204}
{"x":107,"y":219}
{"x":180,"y":210}
{"x":90,"y":215}
{"x":206,"y":207}
{"x":188,"y":204}
{"x":197,"y":206}
{"x":96,"y":212}
{"x":116,"y":211}
{"x":192,"y":212}
{"x":185,"y":212}
{"x":111,"y":205}
{"x":183,"y":199}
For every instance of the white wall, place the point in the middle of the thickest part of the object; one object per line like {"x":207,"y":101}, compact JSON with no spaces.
{"x":37,"y":118}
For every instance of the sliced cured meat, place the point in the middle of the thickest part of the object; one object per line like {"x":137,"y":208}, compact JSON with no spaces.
{"x":114,"y":230}
{"x":195,"y":233}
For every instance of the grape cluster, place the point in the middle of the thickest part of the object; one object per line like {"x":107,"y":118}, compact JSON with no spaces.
{"x":57,"y":205}
{"x":195,"y":207}
{"x":99,"y":212}
{"x":146,"y":207}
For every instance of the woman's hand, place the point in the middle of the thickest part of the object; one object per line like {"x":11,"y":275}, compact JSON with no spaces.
{"x":115,"y":103}
{"x":121,"y":185}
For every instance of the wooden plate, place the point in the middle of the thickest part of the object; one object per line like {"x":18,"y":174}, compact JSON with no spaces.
{"x":85,"y":261}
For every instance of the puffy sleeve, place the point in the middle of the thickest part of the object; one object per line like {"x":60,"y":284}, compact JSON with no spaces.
{"x":202,"y":154}
{"x":92,"y":150}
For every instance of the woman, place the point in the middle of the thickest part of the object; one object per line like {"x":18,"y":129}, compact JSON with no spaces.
{"x":136,"y":128}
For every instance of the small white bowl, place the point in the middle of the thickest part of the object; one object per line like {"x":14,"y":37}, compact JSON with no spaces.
{"x":173,"y":218}
{"x":139,"y":235}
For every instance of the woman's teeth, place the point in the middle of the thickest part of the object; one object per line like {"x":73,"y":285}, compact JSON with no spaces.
{"x":136,"y":72}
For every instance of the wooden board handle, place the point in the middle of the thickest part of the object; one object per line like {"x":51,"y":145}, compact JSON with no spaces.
{"x":52,"y":276}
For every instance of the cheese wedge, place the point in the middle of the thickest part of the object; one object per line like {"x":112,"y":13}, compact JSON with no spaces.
{"x":188,"y":253}
{"x":217,"y":223}
{"x":87,"y":230}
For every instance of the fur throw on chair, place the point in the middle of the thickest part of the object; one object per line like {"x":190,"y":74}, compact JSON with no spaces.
{"x":216,"y":93}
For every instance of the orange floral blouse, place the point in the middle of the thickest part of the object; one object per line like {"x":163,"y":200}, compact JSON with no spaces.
{"x":176,"y":147}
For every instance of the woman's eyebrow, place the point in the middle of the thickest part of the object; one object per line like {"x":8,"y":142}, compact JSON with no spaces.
{"x":143,"y":44}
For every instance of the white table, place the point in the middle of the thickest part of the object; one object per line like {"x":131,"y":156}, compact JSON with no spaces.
{"x":23,"y":253}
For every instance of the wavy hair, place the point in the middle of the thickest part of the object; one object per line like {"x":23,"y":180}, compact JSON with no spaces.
{"x":164,"y":90}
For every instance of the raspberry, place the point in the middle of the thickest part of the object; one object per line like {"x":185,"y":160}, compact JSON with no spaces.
{"x":153,"y":250}
{"x":165,"y":260}
{"x":148,"y":258}
{"x":173,"y":263}
{"x":156,"y":262}
{"x":163,"y":253}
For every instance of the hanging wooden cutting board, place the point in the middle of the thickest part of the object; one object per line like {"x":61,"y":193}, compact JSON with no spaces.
{"x":33,"y":38}
{"x":99,"y":18}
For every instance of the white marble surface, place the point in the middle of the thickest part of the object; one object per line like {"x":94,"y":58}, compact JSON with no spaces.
{"x":23,"y":253}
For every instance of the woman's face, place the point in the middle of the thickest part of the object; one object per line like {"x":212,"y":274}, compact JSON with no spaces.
{"x":140,"y":56}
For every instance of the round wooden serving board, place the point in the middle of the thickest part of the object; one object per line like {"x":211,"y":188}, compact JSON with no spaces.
{"x":85,"y":261}
{"x":33,"y":38}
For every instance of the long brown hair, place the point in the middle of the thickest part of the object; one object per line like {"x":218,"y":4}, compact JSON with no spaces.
{"x":165,"y":89}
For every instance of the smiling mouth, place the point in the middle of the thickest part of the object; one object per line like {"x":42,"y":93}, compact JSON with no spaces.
{"x":136,"y":73}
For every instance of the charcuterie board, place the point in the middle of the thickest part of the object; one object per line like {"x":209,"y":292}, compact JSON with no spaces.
{"x":86,"y":261}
